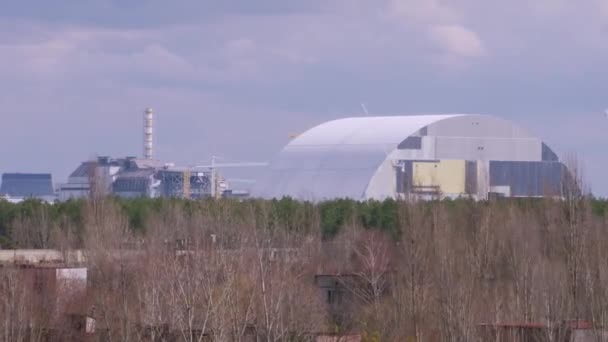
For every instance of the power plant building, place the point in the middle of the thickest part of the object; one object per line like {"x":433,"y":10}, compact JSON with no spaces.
{"x":134,"y":178}
{"x":21,"y":186}
{"x":423,"y":156}
{"x":136,"y":183}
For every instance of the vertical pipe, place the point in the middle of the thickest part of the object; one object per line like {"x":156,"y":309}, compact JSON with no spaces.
{"x":148,"y":133}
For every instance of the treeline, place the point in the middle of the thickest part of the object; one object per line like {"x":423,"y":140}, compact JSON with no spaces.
{"x":67,"y":217}
{"x":172,"y":270}
{"x":326,"y":218}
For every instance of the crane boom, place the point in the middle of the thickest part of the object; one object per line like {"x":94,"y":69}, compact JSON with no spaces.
{"x":223,"y":165}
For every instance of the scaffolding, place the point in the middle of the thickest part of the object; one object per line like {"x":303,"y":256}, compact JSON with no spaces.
{"x":184,"y":184}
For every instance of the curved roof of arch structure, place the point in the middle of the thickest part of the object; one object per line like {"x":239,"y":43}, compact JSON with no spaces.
{"x":389,"y":130}
{"x":338,"y":158}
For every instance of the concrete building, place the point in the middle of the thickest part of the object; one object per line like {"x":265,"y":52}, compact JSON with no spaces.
{"x":99,"y":173}
{"x":135,"y":177}
{"x":423,"y":156}
{"x":127,"y":177}
{"x":78,"y":185}
{"x":135,"y":183}
{"x":20,"y":186}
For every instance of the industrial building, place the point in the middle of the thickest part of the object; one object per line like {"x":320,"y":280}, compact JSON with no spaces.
{"x":132,"y":177}
{"x":98,"y":174}
{"x":421,"y":156}
{"x":20,"y":186}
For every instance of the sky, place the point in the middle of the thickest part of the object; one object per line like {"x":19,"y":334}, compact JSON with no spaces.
{"x":234,"y":78}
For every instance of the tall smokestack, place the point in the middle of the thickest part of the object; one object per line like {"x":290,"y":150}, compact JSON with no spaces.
{"x":148,"y":133}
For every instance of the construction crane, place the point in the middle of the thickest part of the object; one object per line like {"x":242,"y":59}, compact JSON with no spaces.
{"x":214,"y":165}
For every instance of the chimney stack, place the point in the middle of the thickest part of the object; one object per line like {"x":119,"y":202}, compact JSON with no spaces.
{"x":148,"y":133}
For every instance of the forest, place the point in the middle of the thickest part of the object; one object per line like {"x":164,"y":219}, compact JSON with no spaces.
{"x":283,"y":270}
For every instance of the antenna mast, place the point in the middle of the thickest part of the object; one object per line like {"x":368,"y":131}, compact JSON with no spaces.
{"x":364,"y":109}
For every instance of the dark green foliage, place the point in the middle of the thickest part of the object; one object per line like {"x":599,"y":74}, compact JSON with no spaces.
{"x":137,"y":209}
{"x":599,"y":207}
{"x":8,"y":212}
{"x":334,"y":215}
{"x":285,"y":214}
{"x":379,"y":215}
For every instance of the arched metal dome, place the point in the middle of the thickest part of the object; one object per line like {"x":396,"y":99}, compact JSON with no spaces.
{"x":357,"y":157}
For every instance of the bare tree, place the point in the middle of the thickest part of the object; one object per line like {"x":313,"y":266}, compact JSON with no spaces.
{"x":35,"y":229}
{"x":288,"y":308}
{"x":454,"y":278}
{"x":107,"y":235}
{"x":411,"y":288}
{"x":14,"y":313}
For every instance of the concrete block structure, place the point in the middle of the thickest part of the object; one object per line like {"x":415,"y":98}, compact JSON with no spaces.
{"x":22,"y":186}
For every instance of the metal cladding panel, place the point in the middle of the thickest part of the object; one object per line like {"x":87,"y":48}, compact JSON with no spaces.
{"x":477,"y":126}
{"x":447,"y":175}
{"x":85,"y":170}
{"x":427,"y":151}
{"x":548,"y":154}
{"x":424,"y":174}
{"x":471,"y":179}
{"x":132,"y":183}
{"x":337,"y":159}
{"x":401,"y":179}
{"x":342,"y":172}
{"x":528,"y":179}
{"x":452,"y":174}
{"x":520,"y":149}
{"x":367,"y":130}
{"x":27,"y":185}
{"x":404,"y":176}
{"x":344,"y":158}
{"x":383,"y":183}
{"x":411,"y":143}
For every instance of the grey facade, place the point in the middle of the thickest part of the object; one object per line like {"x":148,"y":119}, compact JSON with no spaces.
{"x":28,"y":185}
{"x":136,"y":183}
{"x":132,"y":178}
{"x":528,"y":179}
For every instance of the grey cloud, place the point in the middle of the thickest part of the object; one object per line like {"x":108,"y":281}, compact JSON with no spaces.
{"x":148,"y":13}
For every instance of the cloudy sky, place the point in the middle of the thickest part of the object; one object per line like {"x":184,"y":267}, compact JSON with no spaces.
{"x":235,"y":77}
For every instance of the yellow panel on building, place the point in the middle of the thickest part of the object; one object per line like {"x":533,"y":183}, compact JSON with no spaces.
{"x":446,"y":176}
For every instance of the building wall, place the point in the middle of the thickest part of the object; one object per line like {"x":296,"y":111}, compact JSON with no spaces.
{"x":383,"y":183}
{"x":448,"y":176}
{"x":27,"y":185}
{"x":476,"y":126}
{"x":527,"y":179}
{"x":454,"y":178}
{"x":520,"y":149}
{"x":74,"y":191}
{"x":449,"y":145}
{"x":358,"y":157}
